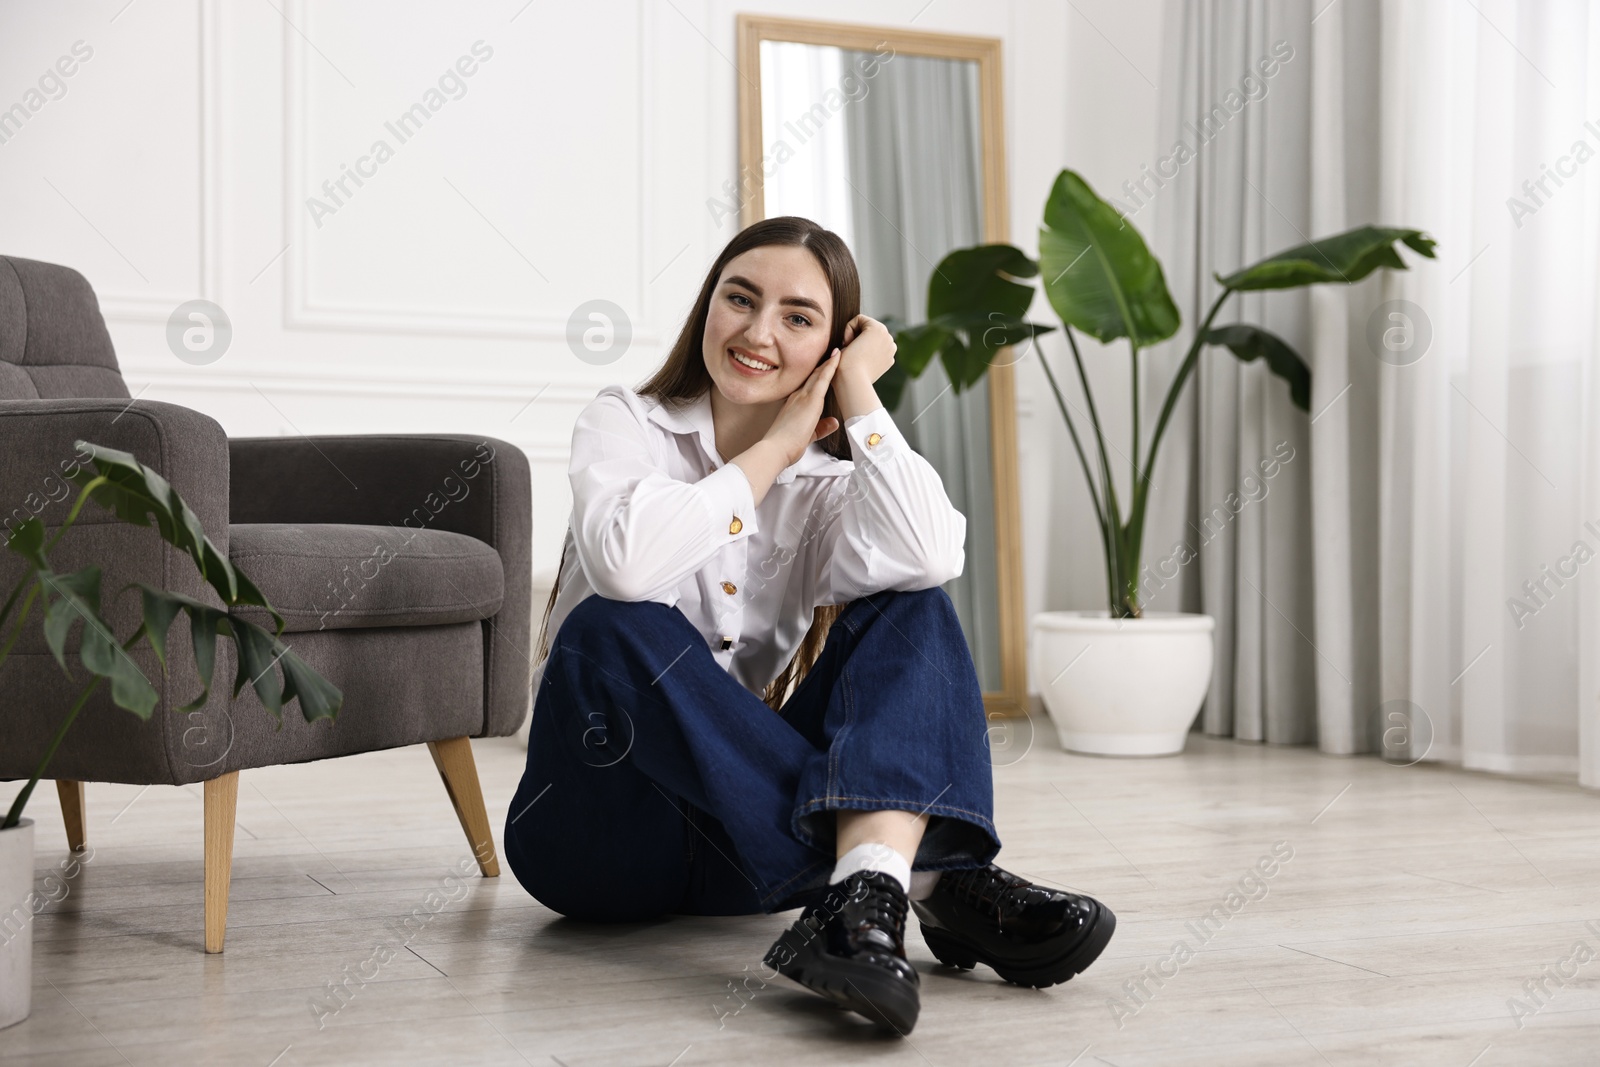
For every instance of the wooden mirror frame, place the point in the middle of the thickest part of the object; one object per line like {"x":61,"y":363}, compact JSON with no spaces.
{"x":1012,"y":697}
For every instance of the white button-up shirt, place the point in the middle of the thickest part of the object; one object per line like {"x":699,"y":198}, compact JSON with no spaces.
{"x":658,"y":515}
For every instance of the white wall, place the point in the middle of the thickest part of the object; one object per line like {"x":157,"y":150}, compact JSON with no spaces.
{"x":1111,"y":65}
{"x":577,"y":165}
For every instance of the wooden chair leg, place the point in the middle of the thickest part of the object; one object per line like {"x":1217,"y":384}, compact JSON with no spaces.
{"x":72,"y":812}
{"x":221,"y":803}
{"x":453,"y":757}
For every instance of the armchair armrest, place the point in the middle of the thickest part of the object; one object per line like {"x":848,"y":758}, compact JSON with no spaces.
{"x":187,"y":448}
{"x":478,"y":486}
{"x":190,"y":450}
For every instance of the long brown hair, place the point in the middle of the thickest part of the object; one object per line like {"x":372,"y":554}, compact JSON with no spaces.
{"x":684,"y":377}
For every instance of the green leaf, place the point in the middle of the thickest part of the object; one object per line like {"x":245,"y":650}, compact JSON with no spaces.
{"x":130,"y":689}
{"x":191,"y":536}
{"x":27,"y":541}
{"x":77,"y":596}
{"x":965,"y":363}
{"x":258,"y":651}
{"x":219,"y":572}
{"x":977,"y":304}
{"x":1098,"y":273}
{"x":204,"y":625}
{"x":249,"y":594}
{"x":975,"y":308}
{"x":1251,"y":342}
{"x":1343,"y":258}
{"x":318,"y":697}
{"x":978,"y":281}
{"x":64,"y":604}
{"x":160,"y":608}
{"x":137,"y":494}
{"x":915,"y":347}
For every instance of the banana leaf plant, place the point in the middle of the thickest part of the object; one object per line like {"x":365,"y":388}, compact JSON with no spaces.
{"x":1101,"y":279}
{"x":138,"y":495}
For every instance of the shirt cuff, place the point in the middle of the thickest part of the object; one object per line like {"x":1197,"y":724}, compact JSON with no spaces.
{"x":732,"y":503}
{"x":873,"y":437}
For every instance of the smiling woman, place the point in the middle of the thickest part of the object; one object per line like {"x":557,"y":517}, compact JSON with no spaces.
{"x":750,"y":534}
{"x":784,"y":293}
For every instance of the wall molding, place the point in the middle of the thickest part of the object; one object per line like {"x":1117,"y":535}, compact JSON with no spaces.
{"x":147,"y":307}
{"x":127,"y":307}
{"x":305,"y":311}
{"x":385,"y":382}
{"x":543,"y":452}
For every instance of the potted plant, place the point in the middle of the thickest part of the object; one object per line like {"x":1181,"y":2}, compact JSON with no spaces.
{"x":1142,"y":675}
{"x":137,"y":495}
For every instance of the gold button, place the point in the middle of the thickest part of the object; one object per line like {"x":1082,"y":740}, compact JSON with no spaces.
{"x":735,"y":526}
{"x":729,"y":588}
{"x":873,"y":438}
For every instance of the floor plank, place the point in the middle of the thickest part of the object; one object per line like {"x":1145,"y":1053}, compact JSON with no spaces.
{"x":1417,"y":908}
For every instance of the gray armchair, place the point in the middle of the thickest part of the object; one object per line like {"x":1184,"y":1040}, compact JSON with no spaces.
{"x":400,"y":562}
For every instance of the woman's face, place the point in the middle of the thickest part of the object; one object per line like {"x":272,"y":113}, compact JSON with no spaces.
{"x":771,"y":308}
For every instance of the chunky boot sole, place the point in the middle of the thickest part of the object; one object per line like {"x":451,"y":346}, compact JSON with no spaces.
{"x":952,"y":950}
{"x":864,"y":988}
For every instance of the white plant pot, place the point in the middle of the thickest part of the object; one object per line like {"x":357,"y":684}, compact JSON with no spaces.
{"x":1122,"y":687}
{"x":16,"y":923}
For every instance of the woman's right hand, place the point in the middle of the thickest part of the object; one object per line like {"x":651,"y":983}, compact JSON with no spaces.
{"x":801,"y":421}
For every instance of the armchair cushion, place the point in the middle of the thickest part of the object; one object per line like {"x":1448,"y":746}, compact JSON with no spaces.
{"x":337,"y":576}
{"x":455,"y":483}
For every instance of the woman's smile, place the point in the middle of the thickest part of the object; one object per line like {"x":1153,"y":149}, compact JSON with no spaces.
{"x":750,"y":364}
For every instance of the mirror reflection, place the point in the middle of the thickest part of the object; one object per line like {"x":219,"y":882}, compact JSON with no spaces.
{"x":885,"y":149}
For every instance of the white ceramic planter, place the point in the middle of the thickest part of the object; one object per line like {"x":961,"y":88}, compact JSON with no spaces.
{"x":16,"y":923}
{"x":1122,"y":687}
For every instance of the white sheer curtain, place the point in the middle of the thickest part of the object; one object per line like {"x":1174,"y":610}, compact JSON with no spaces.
{"x":806,"y":175}
{"x":1435,"y":561}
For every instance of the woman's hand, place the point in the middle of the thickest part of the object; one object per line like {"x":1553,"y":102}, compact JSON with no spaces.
{"x":868,"y":351}
{"x":801,"y":421}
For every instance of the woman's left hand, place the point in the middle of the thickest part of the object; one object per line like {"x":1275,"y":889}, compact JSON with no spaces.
{"x":868,"y":351}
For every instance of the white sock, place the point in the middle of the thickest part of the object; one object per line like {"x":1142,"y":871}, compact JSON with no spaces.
{"x":873,"y":857}
{"x":922,"y":883}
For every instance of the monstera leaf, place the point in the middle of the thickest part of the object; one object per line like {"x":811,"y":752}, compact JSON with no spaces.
{"x":137,"y":494}
{"x":72,"y":600}
{"x":975,"y":309}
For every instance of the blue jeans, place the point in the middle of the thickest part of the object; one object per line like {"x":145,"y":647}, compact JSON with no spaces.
{"x":657,"y":784}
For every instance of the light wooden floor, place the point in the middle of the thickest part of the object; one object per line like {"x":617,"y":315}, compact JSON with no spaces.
{"x":1417,"y":903}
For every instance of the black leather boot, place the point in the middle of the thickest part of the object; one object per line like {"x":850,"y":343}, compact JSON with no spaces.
{"x":851,"y":949}
{"x":1030,"y":934}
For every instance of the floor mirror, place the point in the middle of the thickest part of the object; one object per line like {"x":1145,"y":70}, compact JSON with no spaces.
{"x":894,"y":139}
